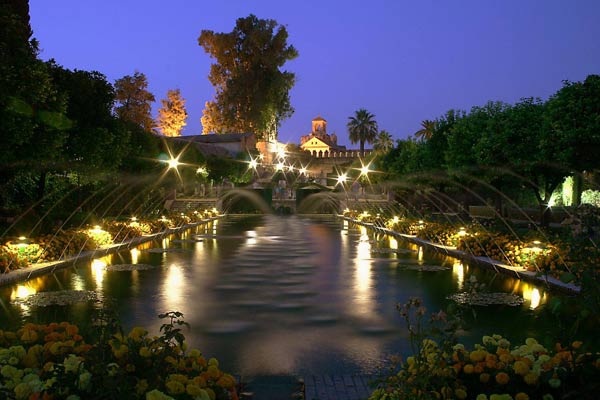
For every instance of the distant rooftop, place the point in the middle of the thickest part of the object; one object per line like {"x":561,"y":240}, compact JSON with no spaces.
{"x":319,"y":118}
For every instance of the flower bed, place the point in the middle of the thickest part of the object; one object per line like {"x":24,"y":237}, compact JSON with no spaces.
{"x":565,"y":259}
{"x":439,"y":368}
{"x":56,"y":362}
{"x":64,"y":243}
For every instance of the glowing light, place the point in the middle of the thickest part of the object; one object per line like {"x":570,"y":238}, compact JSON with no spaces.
{"x":462,"y":232}
{"x":420,"y":254}
{"x":253,"y":164}
{"x":281,"y":153}
{"x":393,"y":243}
{"x":341,"y":179}
{"x":173,"y":163}
{"x":302,"y":171}
{"x":395,"y":219}
{"x":279,"y":166}
{"x":215,"y":210}
{"x":364,"y":170}
{"x":202,"y":171}
{"x":133,"y":219}
{"x":22,"y":238}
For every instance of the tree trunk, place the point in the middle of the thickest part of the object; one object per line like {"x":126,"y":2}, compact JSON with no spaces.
{"x":577,"y":189}
{"x":362,"y":148}
{"x":41,"y":185}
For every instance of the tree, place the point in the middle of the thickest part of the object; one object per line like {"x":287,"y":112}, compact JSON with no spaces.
{"x":362,"y":128}
{"x":426,"y":131}
{"x":573,"y":113}
{"x":172,"y":115}
{"x":134,"y":100}
{"x":383,"y":142}
{"x":252,"y":93}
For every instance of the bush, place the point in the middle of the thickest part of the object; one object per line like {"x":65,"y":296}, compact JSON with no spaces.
{"x":56,"y":361}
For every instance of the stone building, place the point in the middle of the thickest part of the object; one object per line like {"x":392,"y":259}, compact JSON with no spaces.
{"x":318,"y":142}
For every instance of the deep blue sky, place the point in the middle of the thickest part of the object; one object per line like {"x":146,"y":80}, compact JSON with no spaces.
{"x":404,"y":61}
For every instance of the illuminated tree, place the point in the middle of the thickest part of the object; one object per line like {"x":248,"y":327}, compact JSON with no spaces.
{"x":252,"y":93}
{"x":134,"y":100}
{"x":362,"y":128}
{"x":172,"y":115}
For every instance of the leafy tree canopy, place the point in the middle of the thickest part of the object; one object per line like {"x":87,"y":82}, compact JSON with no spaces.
{"x":362,"y":128}
{"x":172,"y":115}
{"x":134,"y":100}
{"x":252,"y":93}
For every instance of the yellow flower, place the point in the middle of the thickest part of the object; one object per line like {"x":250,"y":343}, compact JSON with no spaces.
{"x":477,"y":355}
{"x":468,"y":369}
{"x":521,"y":368}
{"x":157,"y":395}
{"x":481,"y":397}
{"x":521,"y":396}
{"x":502,"y":378}
{"x":460,"y":394}
{"x":530,"y":378}
{"x":175,"y":387}
{"x":226,"y":381}
{"x":29,"y":336}
{"x":141,"y":386}
{"x":193,"y":390}
{"x":145,"y":352}
{"x":137,"y":333}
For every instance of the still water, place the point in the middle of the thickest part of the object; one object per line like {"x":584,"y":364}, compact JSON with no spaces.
{"x":279,"y":295}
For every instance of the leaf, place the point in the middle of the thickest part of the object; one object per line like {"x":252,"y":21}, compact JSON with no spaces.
{"x":567,"y":277}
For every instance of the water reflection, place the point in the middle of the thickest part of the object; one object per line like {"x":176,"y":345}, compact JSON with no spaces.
{"x":135,"y":255}
{"x":172,"y":291}
{"x":458,"y":271}
{"x":532,"y":295}
{"x":362,"y":276}
{"x":98,"y":270}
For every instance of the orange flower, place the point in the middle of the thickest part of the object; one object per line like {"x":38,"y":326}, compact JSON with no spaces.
{"x":468,"y":369}
{"x":484,"y":378}
{"x":502,"y":378}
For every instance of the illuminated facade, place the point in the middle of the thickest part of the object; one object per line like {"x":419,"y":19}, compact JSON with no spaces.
{"x":318,"y":142}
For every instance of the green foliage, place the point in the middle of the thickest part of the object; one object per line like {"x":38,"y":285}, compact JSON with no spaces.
{"x":252,"y":93}
{"x":134,"y":101}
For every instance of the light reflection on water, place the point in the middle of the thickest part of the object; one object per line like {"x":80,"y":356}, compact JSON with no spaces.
{"x":279,"y":295}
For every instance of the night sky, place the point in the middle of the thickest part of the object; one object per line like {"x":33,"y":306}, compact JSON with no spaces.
{"x":404,"y":61}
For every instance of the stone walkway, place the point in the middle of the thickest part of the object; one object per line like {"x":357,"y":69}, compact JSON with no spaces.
{"x":336,"y":387}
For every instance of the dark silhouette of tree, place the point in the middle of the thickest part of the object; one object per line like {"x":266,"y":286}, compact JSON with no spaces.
{"x":362,"y":128}
{"x":426,"y":131}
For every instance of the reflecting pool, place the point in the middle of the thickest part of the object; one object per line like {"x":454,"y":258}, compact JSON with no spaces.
{"x":278,"y":295}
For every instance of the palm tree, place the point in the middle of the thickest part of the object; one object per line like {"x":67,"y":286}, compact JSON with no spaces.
{"x":383,"y":142}
{"x":362,"y":128}
{"x":426,"y":132}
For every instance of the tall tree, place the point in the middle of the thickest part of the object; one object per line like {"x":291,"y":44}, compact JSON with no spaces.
{"x":134,"y":100}
{"x":172,"y":115}
{"x":252,"y":93}
{"x":383,"y":142}
{"x":426,"y":131}
{"x":362,"y":128}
